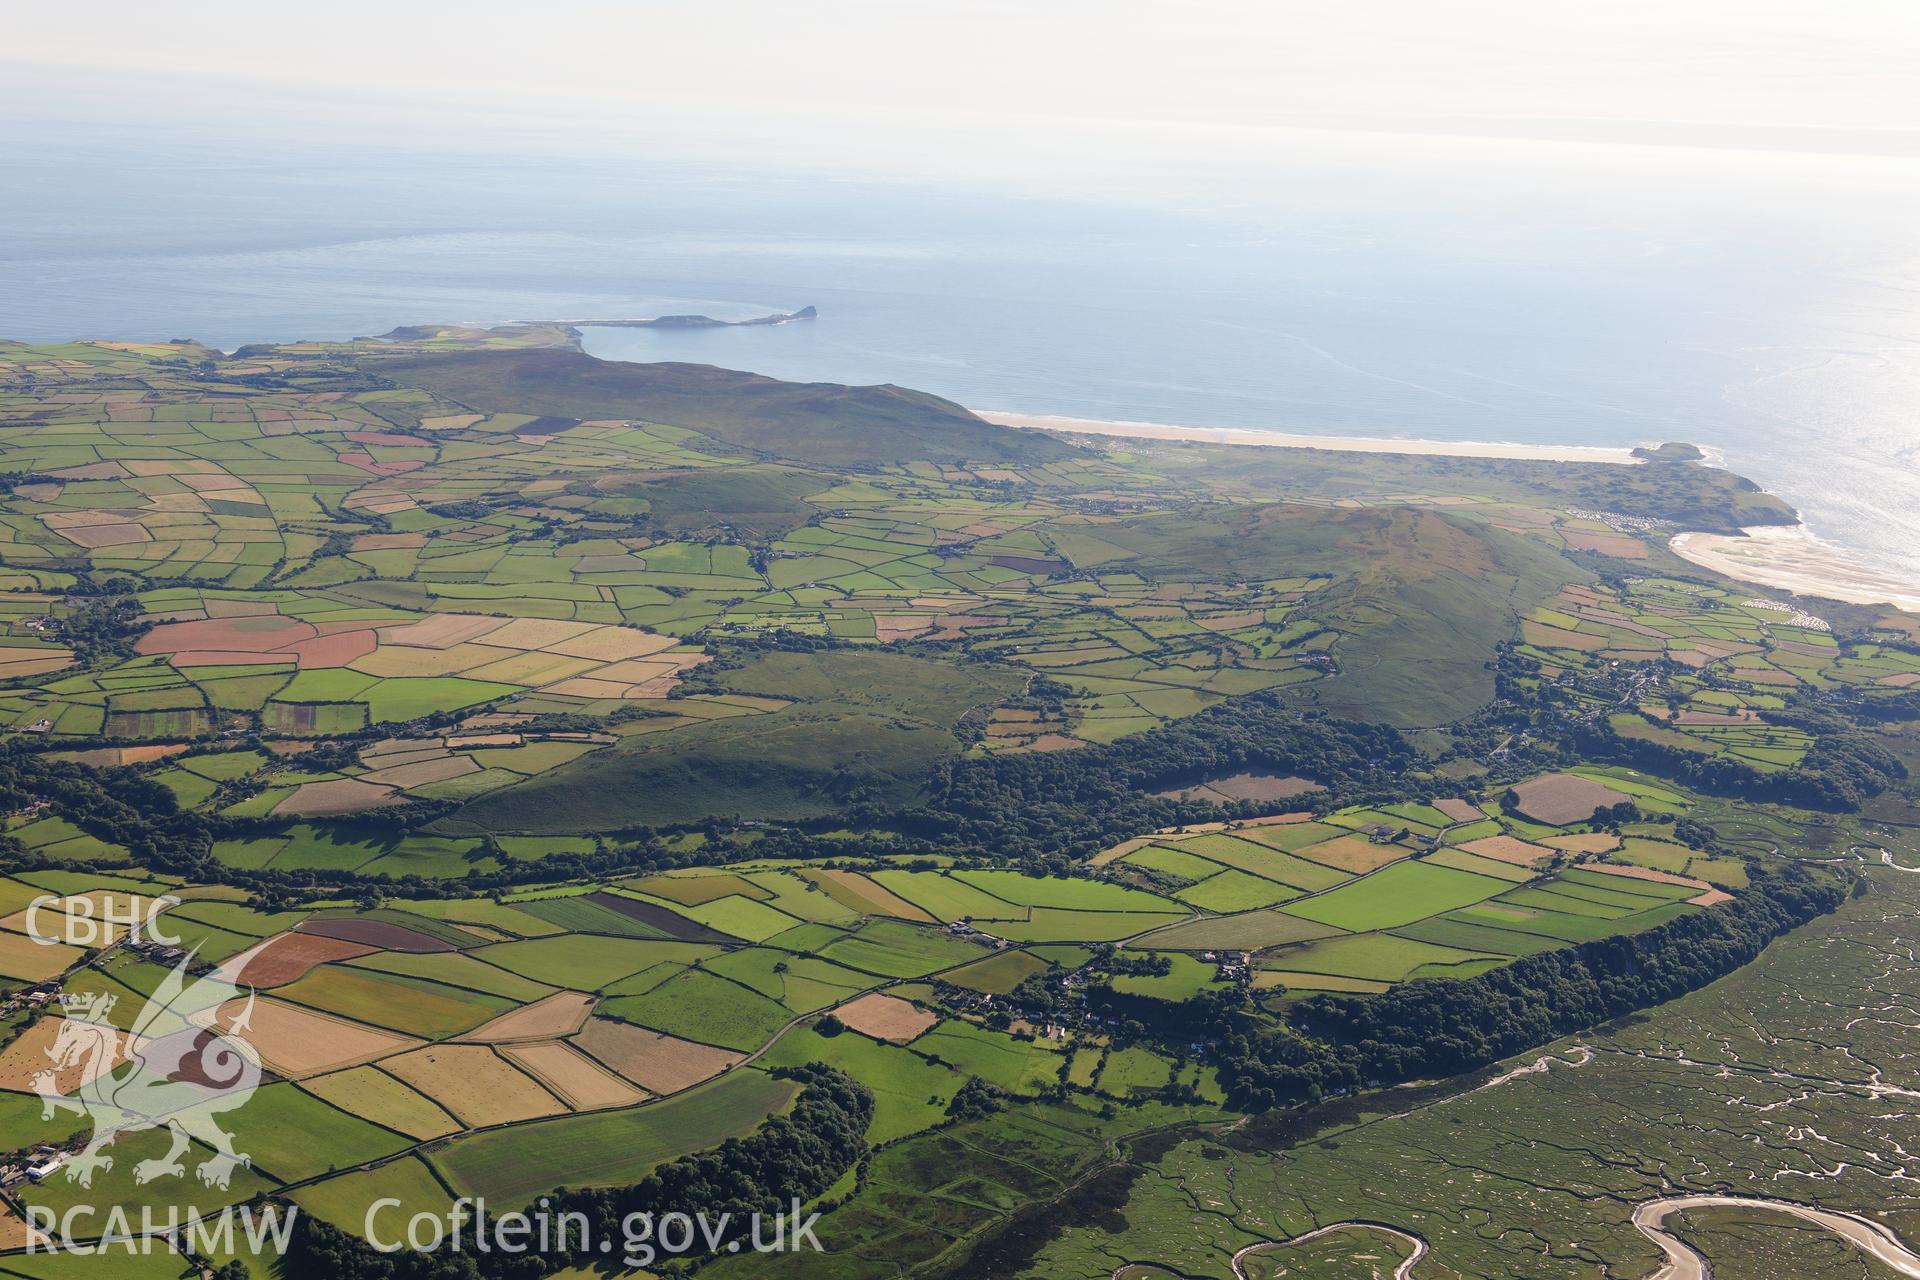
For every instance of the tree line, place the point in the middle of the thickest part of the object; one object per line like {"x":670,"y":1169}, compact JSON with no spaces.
{"x":1065,"y":805}
{"x":1332,"y":1045}
{"x":1838,"y":774}
{"x":1044,"y":810}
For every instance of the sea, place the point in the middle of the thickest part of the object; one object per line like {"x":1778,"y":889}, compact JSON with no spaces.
{"x":1765,"y":306}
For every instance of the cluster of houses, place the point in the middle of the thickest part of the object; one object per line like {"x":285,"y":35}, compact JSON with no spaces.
{"x":36,"y":1165}
{"x":961,"y":929}
{"x":155,"y":952}
{"x":1380,"y":833}
{"x":1620,"y":521}
{"x":1232,"y":966}
{"x":38,"y":996}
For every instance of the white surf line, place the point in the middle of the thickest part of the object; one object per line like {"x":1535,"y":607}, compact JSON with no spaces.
{"x":1401,"y":1272}
{"x":1684,"y":1263}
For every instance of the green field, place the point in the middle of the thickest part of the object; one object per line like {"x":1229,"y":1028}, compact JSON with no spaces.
{"x":949,"y":897}
{"x":292,"y":1135}
{"x":704,"y":1007}
{"x":1379,"y":957}
{"x":892,"y":950}
{"x":413,"y":1006}
{"x":1065,"y":893}
{"x":582,"y":962}
{"x":1252,"y":931}
{"x":997,"y":975}
{"x":344,"y":1201}
{"x":1397,"y":895}
{"x":1231,"y":891}
{"x":802,"y":984}
{"x":611,"y":1149}
{"x":1132,"y":1071}
{"x":1014,"y":1065}
{"x":910,"y":1093}
{"x":1188,"y":978}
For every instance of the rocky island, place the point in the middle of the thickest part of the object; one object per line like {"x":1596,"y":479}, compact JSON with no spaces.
{"x":692,"y":322}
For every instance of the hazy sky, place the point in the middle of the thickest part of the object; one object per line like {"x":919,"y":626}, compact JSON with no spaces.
{"x":1403,"y":215}
{"x":1000,"y":86}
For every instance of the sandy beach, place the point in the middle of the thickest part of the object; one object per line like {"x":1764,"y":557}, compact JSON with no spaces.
{"x":1791,"y":558}
{"x":1287,"y":440}
{"x":1784,"y":557}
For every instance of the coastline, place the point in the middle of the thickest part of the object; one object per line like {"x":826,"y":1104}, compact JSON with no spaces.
{"x":1791,"y":558}
{"x":1293,"y":440}
{"x":1786,"y":558}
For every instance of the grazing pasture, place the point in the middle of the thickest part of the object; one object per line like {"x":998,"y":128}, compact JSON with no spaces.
{"x":910,"y":1093}
{"x":1231,"y":891}
{"x":292,"y":1134}
{"x":411,"y":1006}
{"x":1058,"y":924}
{"x":1398,"y":895}
{"x":1062,"y":892}
{"x":1378,"y":957}
{"x":997,"y":974}
{"x":949,"y":897}
{"x":609,"y":1148}
{"x":585,"y":963}
{"x":704,"y":1007}
{"x":345,"y":1201}
{"x":1250,"y":931}
{"x":888,"y":949}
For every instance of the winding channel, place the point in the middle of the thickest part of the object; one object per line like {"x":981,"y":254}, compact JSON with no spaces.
{"x":1401,"y":1272}
{"x":1684,"y":1263}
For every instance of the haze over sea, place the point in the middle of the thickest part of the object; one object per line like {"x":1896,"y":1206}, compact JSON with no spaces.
{"x":1762,"y":303}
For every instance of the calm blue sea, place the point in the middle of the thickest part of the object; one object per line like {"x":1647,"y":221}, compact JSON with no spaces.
{"x":1769,"y":310}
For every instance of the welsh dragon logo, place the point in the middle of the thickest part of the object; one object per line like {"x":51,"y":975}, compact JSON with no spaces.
{"x":175,"y":1069}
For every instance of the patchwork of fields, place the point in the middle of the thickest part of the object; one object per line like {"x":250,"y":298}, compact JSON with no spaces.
{"x":1364,"y":898}
{"x":318,"y":527}
{"x":571,"y":775}
{"x":1741,"y":657}
{"x":580,"y":1033}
